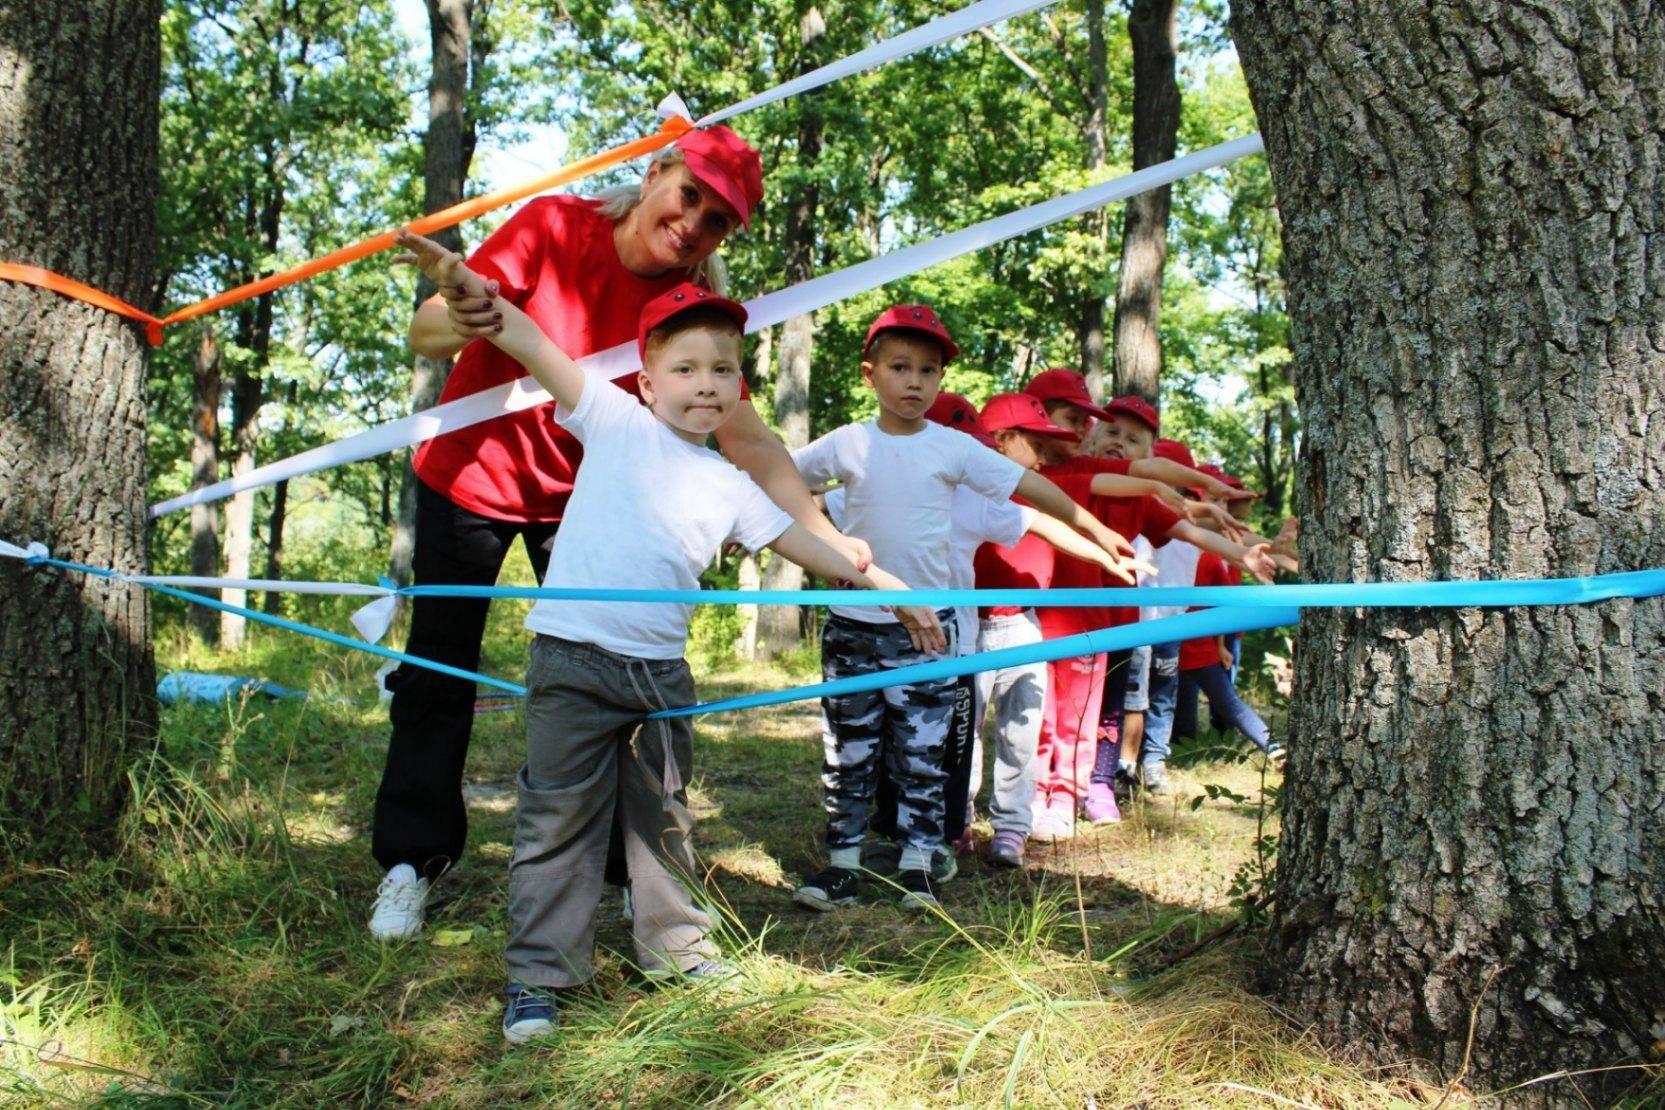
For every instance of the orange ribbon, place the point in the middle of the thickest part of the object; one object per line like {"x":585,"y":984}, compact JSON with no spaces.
{"x":672,"y":129}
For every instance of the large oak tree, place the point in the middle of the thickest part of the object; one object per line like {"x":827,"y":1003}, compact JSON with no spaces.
{"x":1473,"y":201}
{"x":79,"y":95}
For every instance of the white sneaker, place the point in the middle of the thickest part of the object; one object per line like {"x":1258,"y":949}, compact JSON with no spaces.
{"x":1052,"y":825}
{"x":397,"y":914}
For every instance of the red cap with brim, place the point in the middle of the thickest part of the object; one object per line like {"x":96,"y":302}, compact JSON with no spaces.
{"x":1138,"y":408}
{"x":679,"y":300}
{"x":1063,"y":384}
{"x":728,"y":164}
{"x":1024,"y":413}
{"x":954,"y":410}
{"x":1174,"y":451}
{"x":913,"y":317}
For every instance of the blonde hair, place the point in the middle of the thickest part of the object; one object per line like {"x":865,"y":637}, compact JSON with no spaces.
{"x":619,"y":201}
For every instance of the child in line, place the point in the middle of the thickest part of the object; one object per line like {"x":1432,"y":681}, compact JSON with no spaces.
{"x":976,"y":521}
{"x":1018,"y":694}
{"x":1076,"y":770}
{"x":1205,"y":664}
{"x":900,"y":473}
{"x":650,"y":508}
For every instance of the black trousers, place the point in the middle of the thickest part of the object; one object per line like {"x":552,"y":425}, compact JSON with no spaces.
{"x":956,"y":764}
{"x":420,"y":817}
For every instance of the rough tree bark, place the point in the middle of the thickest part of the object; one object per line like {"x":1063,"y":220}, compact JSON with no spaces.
{"x":205,"y":471}
{"x":1473,"y":201}
{"x":447,"y":151}
{"x":77,"y":679}
{"x":1138,"y":358}
{"x":778,"y":626}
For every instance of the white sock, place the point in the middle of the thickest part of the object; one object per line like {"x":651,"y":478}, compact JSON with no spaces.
{"x":402,"y":873}
{"x":915,"y":858}
{"x":847,"y":858}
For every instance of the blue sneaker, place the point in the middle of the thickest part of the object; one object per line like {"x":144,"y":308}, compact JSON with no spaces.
{"x":530,"y":1013}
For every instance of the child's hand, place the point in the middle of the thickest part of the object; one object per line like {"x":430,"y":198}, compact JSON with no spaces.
{"x":1204,"y":513}
{"x":1170,"y":497}
{"x":1124,"y":569}
{"x":923,"y":628}
{"x":1110,"y":539}
{"x":1257,"y":560}
{"x":468,"y":299}
{"x":1227,"y":660}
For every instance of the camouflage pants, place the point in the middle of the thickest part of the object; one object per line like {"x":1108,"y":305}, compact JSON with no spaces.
{"x":906,"y":726}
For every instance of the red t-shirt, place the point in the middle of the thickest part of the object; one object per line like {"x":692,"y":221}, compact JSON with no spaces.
{"x":1131,"y":516}
{"x":1205,"y":650}
{"x":555,"y":260}
{"x":1027,"y":564}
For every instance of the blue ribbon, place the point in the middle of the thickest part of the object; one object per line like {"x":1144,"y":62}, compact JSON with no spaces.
{"x":1332,"y":595}
{"x":293,"y":626}
{"x":1185,"y":626}
{"x":1241,"y":609}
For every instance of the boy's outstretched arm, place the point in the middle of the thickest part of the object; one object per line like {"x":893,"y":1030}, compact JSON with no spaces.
{"x":1054,"y":502}
{"x":1074,"y":544}
{"x":806,"y":549}
{"x":517,"y":336}
{"x":1257,"y":560}
{"x":1178,"y":474}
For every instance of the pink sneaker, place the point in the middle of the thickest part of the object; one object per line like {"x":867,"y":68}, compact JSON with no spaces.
{"x":1101,"y":808}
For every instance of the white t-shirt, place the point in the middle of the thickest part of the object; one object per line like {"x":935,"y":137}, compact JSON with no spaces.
{"x":649,"y":511}
{"x":1176,"y":565}
{"x":899,"y":493}
{"x":973,"y":521}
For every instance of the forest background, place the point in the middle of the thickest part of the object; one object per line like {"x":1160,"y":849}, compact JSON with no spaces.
{"x":290,"y":127}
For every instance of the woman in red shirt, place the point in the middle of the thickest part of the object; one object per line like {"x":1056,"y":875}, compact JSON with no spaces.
{"x":582,"y":268}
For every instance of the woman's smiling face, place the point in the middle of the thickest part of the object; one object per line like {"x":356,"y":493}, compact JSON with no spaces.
{"x":679,"y":222}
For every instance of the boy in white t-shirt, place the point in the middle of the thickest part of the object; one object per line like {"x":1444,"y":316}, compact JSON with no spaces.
{"x":650,"y":507}
{"x":900,"y":473}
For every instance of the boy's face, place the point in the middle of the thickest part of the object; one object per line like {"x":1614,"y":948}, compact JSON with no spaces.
{"x":905,"y":370}
{"x":1070,"y":417}
{"x":692,"y":380}
{"x":1025,"y":448}
{"x":1124,"y":437}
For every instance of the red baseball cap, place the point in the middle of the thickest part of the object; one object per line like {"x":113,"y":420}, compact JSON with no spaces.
{"x":679,"y":300}
{"x":913,"y":317}
{"x":1213,"y":472}
{"x":954,"y":410}
{"x":1175,"y":451}
{"x":1023,"y":412}
{"x":1062,"y":384}
{"x":728,"y":164}
{"x":1138,"y":408}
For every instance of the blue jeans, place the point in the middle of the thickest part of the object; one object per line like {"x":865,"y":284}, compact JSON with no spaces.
{"x":1161,"y":694}
{"x":1223,"y":702}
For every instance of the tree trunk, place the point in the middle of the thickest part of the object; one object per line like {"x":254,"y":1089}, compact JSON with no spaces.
{"x":778,"y":626}
{"x":205,"y":471}
{"x":447,"y":150}
{"x":1150,"y":26}
{"x":1090,"y":326}
{"x":248,"y":388}
{"x":1473,"y":228}
{"x":77,"y":679}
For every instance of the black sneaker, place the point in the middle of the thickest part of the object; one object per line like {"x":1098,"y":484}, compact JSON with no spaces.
{"x":881,"y":857}
{"x":919,"y":890}
{"x":828,"y":889}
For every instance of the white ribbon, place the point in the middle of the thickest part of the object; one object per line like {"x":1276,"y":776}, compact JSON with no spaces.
{"x":940,"y":30}
{"x":763,"y":312}
{"x":34,"y":550}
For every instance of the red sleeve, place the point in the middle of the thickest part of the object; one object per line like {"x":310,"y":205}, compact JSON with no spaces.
{"x":1158,"y":521}
{"x":1212,"y":571}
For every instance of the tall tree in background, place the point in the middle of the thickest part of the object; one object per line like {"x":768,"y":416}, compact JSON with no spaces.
{"x":1156,"y":110}
{"x":1473,"y":203}
{"x":76,"y":672}
{"x":778,"y":627}
{"x":460,"y":43}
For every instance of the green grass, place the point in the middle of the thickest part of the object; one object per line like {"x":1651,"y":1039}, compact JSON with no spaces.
{"x":220,"y":955}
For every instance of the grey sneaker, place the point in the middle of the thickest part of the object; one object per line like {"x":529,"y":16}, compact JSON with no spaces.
{"x":1155,"y":776}
{"x":943,"y":864}
{"x":1006,"y":849}
{"x":706,"y":971}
